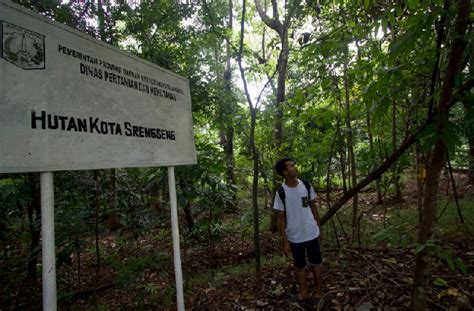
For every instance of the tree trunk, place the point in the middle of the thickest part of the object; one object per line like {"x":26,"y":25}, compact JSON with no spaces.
{"x":471,"y":159}
{"x":113,"y":216}
{"x":188,"y":215}
{"x":350,"y":149}
{"x":229,"y":133}
{"x":328,"y":171}
{"x":372,"y":151}
{"x":396,"y":172}
{"x":437,"y":159}
{"x":382,"y":168}
{"x":420,"y":180}
{"x":468,"y":109}
{"x":101,"y":20}
{"x":282,"y":29}
{"x":455,"y":192}
{"x":253,"y":119}
{"x":340,"y":145}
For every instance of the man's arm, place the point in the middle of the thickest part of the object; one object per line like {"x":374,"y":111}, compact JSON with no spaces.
{"x":281,"y":226}
{"x":314,"y":210}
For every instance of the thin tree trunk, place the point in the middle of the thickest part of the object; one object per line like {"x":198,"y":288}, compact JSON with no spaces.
{"x":468,"y":109}
{"x":78,"y":254}
{"x":188,"y":215}
{"x":372,"y":151}
{"x":420,"y":180}
{"x":350,"y":149}
{"x":328,"y":172}
{"x":336,"y":237}
{"x":282,"y":30}
{"x":341,"y":149}
{"x":471,"y":159}
{"x":438,"y":158}
{"x":101,"y":20}
{"x":253,"y":117}
{"x":113,"y":216}
{"x":382,"y":168}
{"x":396,"y":172}
{"x":255,"y":191}
{"x":342,"y":162}
{"x":229,"y":133}
{"x":4,"y":244}
{"x":453,"y":184}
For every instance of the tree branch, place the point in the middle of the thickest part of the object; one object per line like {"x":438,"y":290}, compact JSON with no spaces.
{"x":273,"y":23}
{"x":382,"y":168}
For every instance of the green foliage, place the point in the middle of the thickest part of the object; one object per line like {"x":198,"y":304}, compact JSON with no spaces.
{"x":396,"y":235}
{"x":454,"y":263}
{"x":217,"y":277}
{"x":387,"y":51}
{"x":128,"y":271}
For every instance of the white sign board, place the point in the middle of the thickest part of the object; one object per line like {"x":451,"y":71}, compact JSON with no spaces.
{"x":71,"y":102}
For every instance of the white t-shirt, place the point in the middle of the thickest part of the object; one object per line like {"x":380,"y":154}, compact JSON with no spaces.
{"x":300,"y":223}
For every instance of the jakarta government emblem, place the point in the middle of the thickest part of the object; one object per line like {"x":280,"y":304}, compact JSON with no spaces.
{"x":22,"y":47}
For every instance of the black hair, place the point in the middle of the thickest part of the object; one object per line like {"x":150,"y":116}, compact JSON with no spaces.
{"x":280,"y":166}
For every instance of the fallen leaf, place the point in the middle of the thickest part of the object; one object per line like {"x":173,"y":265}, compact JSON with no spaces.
{"x":262,"y":303}
{"x":440,"y":282}
{"x":391,"y":261}
{"x":366,"y":306}
{"x":449,"y":292}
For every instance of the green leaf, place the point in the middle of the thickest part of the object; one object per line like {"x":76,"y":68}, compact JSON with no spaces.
{"x":419,"y":248}
{"x":457,"y":80}
{"x":412,"y":4}
{"x":460,"y":264}
{"x":449,"y":261}
{"x":428,"y":137}
{"x":399,"y":10}
{"x":405,"y":42}
{"x":366,"y":4}
{"x":440,"y":282}
{"x":450,"y":137}
{"x":384,"y":25}
{"x":391,"y":18}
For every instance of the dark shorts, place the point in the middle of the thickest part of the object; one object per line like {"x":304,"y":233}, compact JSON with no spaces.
{"x":309,"y":248}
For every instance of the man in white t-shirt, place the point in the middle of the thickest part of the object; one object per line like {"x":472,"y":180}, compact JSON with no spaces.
{"x":298,"y":222}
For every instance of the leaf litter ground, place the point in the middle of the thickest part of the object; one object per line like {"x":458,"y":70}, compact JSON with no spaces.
{"x":138,"y":275}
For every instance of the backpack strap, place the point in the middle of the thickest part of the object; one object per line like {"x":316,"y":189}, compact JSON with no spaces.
{"x":308,"y":188}
{"x":281,"y":193}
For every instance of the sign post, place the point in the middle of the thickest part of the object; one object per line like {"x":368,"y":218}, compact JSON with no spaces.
{"x":48,"y":242}
{"x":176,"y":249}
{"x":71,"y":102}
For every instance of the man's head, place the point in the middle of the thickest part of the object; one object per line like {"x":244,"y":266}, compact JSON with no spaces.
{"x":286,"y":168}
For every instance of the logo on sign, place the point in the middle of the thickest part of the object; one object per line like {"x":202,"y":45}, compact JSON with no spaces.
{"x":22,"y":47}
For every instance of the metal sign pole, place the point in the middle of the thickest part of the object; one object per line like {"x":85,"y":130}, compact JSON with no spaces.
{"x":176,"y":250}
{"x":47,"y":242}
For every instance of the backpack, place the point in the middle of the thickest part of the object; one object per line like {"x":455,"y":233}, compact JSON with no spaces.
{"x":281,"y":193}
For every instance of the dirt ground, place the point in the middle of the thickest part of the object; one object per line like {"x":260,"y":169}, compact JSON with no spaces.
{"x":375,"y":278}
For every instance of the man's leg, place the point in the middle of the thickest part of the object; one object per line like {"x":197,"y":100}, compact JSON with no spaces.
{"x":303,"y":283}
{"x":298,"y":252}
{"x":315,"y":261}
{"x":317,"y":273}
